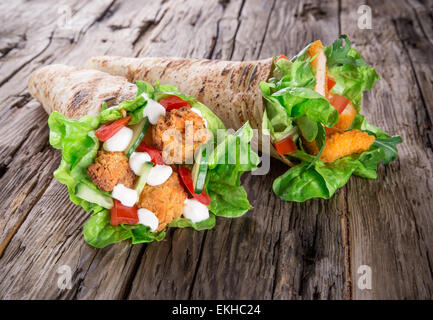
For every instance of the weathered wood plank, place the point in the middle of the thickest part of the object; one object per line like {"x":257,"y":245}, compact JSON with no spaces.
{"x":423,"y":13}
{"x":33,"y":231}
{"x":51,"y":237}
{"x":390,"y":217}
{"x":37,"y":248}
{"x":27,"y":163}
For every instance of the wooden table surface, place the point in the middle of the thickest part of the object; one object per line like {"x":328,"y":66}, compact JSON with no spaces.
{"x":278,"y":250}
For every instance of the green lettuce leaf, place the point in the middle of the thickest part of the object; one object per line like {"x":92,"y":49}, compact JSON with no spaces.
{"x":298,"y":184}
{"x":79,"y":147}
{"x":389,"y":146}
{"x":320,"y":142}
{"x":142,"y":234}
{"x":99,"y":233}
{"x":132,"y":107}
{"x":228,"y":201}
{"x":290,"y":99}
{"x":383,"y":140}
{"x":186,"y":223}
{"x":338,"y":55}
{"x":349,"y":70}
{"x":308,"y":128}
{"x":229,"y":160}
{"x":213,"y":122}
{"x":306,"y":101}
{"x":313,"y":178}
{"x":276,"y":121}
{"x":303,"y":182}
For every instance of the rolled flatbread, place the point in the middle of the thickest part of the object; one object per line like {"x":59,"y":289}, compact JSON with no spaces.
{"x":109,"y":167}
{"x":76,"y":92}
{"x":229,"y":88}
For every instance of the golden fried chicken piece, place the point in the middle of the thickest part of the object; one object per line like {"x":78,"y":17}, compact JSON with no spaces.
{"x":110,"y":169}
{"x":341,"y":144}
{"x":181,"y":143}
{"x":166,"y":200}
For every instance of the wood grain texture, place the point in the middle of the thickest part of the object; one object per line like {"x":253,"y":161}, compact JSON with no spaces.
{"x":278,"y":250}
{"x":42,"y":277}
{"x":391,"y":218}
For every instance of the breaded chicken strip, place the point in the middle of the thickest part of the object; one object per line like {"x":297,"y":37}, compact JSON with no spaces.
{"x":110,"y":169}
{"x":342,"y":144}
{"x":166,"y":200}
{"x":181,"y":143}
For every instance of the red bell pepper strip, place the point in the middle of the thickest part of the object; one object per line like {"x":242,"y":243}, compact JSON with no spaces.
{"x":173,"y":102}
{"x":331,"y":83}
{"x":281,"y":57}
{"x":285,"y":146}
{"x":186,"y":178}
{"x":154,"y":154}
{"x":339,"y":102}
{"x":123,"y":214}
{"x":106,"y":131}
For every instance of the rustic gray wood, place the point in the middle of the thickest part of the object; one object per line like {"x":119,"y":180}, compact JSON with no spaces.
{"x":278,"y":250}
{"x":391,"y":218}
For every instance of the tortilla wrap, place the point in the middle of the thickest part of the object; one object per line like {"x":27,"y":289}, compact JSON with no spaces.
{"x":229,"y":88}
{"x":76,"y":92}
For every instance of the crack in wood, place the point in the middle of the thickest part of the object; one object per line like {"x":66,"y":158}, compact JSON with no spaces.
{"x":104,"y":15}
{"x":5,"y":50}
{"x":203,"y":240}
{"x":147,"y":27}
{"x":134,"y":271}
{"x":345,"y":226}
{"x":4,"y":244}
{"x":429,"y":263}
{"x":429,"y":138}
{"x":417,"y":17}
{"x":11,"y":155}
{"x":345,"y":221}
{"x":268,"y":20}
{"x":81,"y":279}
{"x":214,"y":40}
{"x":3,"y":169}
{"x":276,"y":257}
{"x":339,"y":16}
{"x":224,"y":3}
{"x":237,"y":29}
{"x":308,"y":263}
{"x":23,"y":100}
{"x":13,"y":73}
